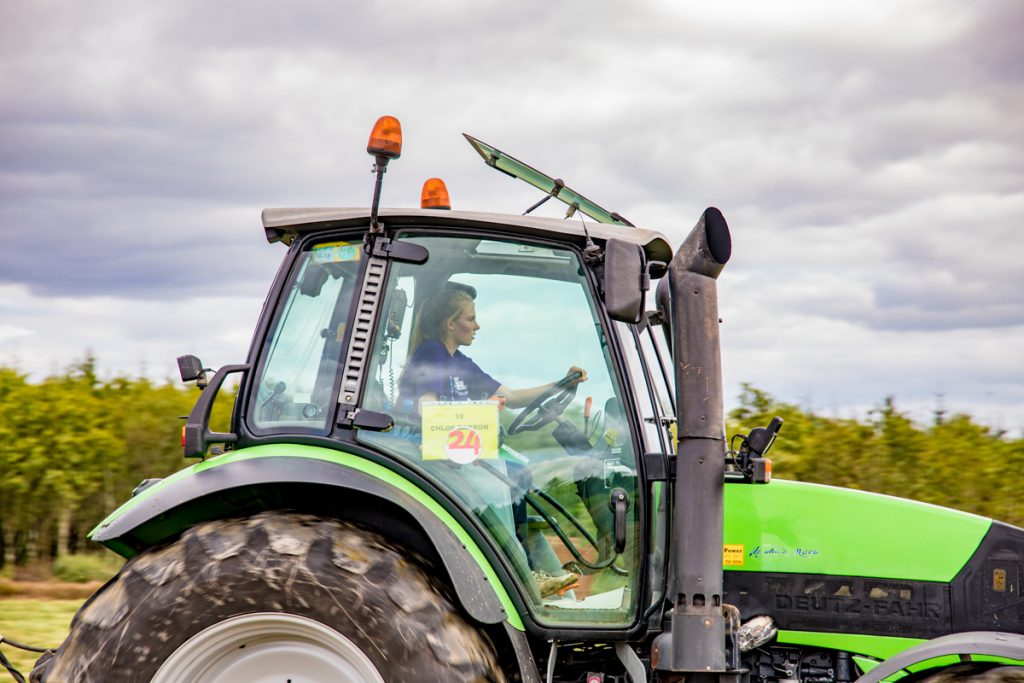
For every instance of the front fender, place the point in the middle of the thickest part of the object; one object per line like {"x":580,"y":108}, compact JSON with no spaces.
{"x":963,"y":645}
{"x":307,"y":478}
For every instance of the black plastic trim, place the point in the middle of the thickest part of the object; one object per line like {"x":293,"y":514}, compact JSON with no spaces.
{"x":524,"y":655}
{"x":843,"y":604}
{"x":986,"y":593}
{"x":659,"y":466}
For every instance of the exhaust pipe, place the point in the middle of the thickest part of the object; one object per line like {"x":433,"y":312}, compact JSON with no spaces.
{"x":694,"y":640}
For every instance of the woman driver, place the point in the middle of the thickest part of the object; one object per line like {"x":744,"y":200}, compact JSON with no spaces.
{"x":438,"y":371}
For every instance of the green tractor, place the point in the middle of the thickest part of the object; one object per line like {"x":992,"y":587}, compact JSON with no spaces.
{"x":398,"y":501}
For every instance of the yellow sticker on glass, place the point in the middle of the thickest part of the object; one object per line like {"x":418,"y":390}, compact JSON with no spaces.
{"x":732,"y":555}
{"x":335,"y":252}
{"x":460,"y":431}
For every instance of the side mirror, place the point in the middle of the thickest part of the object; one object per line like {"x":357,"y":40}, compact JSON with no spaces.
{"x":750,"y":460}
{"x":624,"y":279}
{"x":191,"y":369}
{"x":761,"y":439}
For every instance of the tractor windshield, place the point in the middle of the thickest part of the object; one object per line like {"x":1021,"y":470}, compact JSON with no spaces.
{"x":492,"y":359}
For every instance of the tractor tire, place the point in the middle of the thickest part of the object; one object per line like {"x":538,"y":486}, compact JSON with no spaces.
{"x":275,"y":597}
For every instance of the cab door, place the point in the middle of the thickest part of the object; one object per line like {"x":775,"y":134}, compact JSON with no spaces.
{"x":488,"y":405}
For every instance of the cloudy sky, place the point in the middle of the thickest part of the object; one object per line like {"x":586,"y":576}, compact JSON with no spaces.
{"x":869,"y":157}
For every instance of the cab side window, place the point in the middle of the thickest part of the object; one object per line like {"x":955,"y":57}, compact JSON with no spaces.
{"x":298,"y":369}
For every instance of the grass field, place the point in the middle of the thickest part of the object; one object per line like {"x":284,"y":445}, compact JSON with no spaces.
{"x":36,"y":622}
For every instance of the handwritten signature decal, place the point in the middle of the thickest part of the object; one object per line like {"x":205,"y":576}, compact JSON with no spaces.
{"x":782,"y":551}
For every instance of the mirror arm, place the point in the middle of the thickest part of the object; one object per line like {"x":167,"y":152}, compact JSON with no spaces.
{"x":196,"y":435}
{"x":658,"y":266}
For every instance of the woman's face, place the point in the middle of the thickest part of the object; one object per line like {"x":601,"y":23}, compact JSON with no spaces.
{"x":463,"y":326}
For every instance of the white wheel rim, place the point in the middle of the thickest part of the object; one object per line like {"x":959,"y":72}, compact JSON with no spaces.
{"x":268,"y":647}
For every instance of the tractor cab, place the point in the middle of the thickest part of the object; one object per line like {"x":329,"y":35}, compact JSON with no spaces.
{"x":492,"y":370}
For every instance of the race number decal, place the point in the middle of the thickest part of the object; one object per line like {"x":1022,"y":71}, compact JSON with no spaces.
{"x":460,"y":431}
{"x":463,"y":445}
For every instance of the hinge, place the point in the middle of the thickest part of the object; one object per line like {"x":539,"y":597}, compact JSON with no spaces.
{"x":659,"y":467}
{"x":350,"y":417}
{"x":655,"y":318}
{"x":396,"y":250}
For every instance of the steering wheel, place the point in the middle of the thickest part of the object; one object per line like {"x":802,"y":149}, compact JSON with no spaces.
{"x":548,"y":406}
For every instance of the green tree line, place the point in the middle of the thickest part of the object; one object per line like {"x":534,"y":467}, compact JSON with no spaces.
{"x":73,"y":446}
{"x":954,"y":461}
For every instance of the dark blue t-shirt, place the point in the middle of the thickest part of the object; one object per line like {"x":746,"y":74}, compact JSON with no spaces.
{"x":432,"y":369}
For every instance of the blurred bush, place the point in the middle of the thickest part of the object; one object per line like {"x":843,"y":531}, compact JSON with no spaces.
{"x":85,"y":568}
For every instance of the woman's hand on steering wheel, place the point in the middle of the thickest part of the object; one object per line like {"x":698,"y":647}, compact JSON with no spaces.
{"x":577,"y":371}
{"x":550,"y":404}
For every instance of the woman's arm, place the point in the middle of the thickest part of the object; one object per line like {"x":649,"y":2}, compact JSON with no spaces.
{"x":518,"y":398}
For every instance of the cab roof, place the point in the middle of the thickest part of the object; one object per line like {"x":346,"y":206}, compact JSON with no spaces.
{"x":284,"y":225}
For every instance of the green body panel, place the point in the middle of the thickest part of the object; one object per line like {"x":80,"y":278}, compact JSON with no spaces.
{"x":865,"y":664}
{"x":795,"y":527}
{"x":878,"y":647}
{"x":344,"y":460}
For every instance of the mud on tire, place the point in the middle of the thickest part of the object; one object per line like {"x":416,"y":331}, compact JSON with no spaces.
{"x":334,"y":573}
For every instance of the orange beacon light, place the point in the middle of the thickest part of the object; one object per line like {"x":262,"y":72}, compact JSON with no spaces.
{"x":386,"y":138}
{"x":434,"y":195}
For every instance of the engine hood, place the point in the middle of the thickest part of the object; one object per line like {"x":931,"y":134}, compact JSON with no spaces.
{"x":796,"y":527}
{"x":830,"y":560}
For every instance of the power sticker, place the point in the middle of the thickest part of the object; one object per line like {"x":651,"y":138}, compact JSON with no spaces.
{"x":999,"y":580}
{"x":732,"y":555}
{"x":335,"y":252}
{"x":460,"y":431}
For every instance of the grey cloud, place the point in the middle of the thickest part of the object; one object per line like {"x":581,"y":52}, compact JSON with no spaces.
{"x":867,"y":157}
{"x":136,"y":249}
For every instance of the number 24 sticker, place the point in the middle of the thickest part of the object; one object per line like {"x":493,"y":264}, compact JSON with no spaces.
{"x":463,"y":445}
